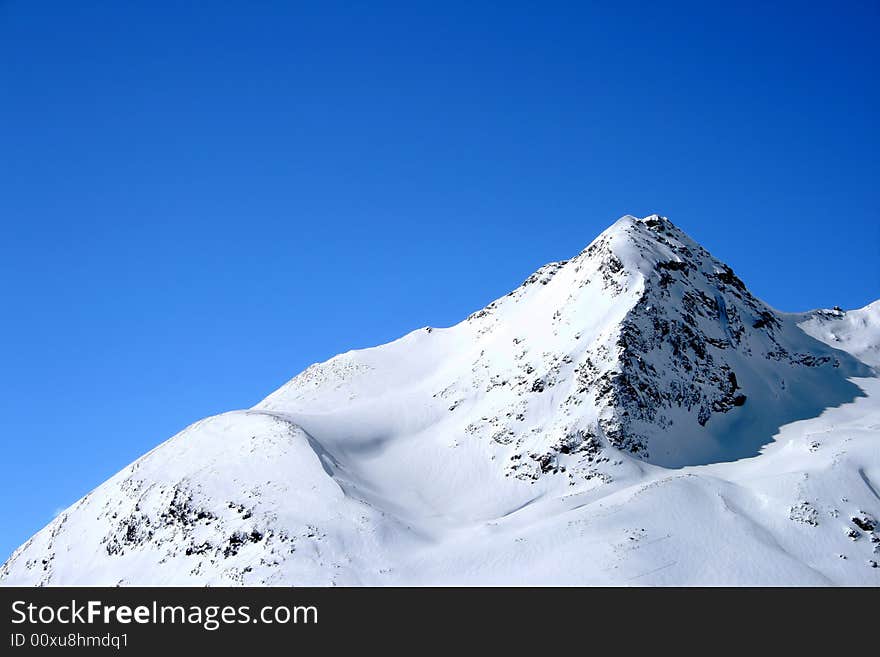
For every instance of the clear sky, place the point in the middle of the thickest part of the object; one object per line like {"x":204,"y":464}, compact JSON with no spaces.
{"x":199,"y":199}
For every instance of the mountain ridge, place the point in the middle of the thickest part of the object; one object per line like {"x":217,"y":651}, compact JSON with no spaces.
{"x":641,"y":369}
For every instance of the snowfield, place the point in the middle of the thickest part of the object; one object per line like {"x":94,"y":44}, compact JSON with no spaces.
{"x":632,"y":416}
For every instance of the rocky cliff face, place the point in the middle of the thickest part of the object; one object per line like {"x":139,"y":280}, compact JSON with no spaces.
{"x":694,"y":346}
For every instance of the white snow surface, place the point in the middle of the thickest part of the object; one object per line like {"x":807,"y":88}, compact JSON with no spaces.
{"x":856,"y":331}
{"x":632,"y":416}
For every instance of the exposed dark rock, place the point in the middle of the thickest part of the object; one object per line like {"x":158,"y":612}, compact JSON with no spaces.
{"x":864,"y":522}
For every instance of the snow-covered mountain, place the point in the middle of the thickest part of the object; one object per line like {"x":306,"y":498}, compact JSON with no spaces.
{"x":633,"y":415}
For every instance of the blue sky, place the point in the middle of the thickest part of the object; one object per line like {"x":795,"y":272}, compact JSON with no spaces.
{"x":200,"y":199}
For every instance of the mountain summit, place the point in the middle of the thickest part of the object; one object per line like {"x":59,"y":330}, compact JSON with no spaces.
{"x":631,"y":415}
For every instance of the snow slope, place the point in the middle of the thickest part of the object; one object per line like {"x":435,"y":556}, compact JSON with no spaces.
{"x":856,"y":331}
{"x":632,"y":416}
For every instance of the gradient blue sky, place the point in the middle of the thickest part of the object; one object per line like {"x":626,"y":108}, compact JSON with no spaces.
{"x":200,"y":199}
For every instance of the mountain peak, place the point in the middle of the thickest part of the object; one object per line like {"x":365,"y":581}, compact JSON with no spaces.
{"x":639,"y":244}
{"x":665,"y":343}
